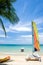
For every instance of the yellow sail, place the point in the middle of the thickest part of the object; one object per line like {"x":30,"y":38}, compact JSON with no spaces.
{"x":35,"y":37}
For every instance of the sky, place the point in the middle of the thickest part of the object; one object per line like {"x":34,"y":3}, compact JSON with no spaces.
{"x":21,"y":33}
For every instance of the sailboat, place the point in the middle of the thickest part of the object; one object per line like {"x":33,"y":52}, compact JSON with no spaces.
{"x":35,"y":42}
{"x":35,"y":38}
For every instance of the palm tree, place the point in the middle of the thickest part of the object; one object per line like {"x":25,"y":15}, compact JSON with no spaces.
{"x":7,"y":10}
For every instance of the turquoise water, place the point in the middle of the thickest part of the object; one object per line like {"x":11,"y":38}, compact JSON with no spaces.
{"x":12,"y":48}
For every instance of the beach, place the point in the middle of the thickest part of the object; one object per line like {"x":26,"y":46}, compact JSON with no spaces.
{"x":19,"y":59}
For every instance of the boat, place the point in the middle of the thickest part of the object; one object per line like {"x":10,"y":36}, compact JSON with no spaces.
{"x":35,"y":43}
{"x":35,"y":38}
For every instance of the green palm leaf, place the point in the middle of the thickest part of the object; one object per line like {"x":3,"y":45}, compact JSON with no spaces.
{"x":8,"y":11}
{"x":1,"y":23}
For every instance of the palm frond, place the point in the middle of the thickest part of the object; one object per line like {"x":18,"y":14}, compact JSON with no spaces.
{"x":13,"y":0}
{"x":1,"y":23}
{"x":8,"y":11}
{"x":11,"y":15}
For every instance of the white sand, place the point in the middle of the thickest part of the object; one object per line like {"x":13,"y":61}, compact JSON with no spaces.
{"x":20,"y":60}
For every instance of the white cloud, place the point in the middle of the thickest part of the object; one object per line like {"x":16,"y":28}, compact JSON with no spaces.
{"x":39,"y":20}
{"x":20,"y":28}
{"x":24,"y":26}
{"x":24,"y":39}
{"x":40,"y":35}
{"x":41,"y":38}
{"x":27,"y":36}
{"x":3,"y":36}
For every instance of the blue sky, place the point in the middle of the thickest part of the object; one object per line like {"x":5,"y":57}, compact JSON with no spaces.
{"x":21,"y":33}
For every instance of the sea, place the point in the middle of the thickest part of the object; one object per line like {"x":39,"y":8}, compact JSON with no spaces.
{"x":16,"y":48}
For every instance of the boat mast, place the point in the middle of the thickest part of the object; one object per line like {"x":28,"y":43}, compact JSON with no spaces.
{"x":32,"y":36}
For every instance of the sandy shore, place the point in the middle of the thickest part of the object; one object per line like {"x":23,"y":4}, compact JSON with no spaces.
{"x":20,"y":60}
